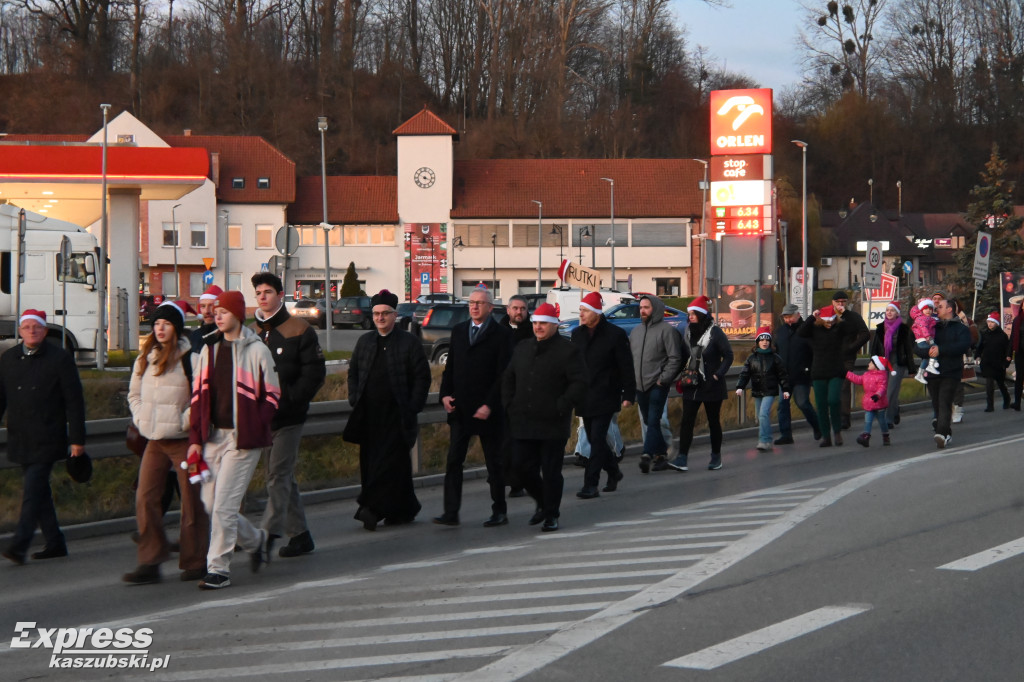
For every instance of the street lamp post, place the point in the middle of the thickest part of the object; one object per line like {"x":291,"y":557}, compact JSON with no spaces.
{"x":101,"y":267}
{"x":557,"y":229}
{"x":803,"y":262}
{"x":494,"y":263}
{"x":611,"y":184}
{"x":899,"y":204}
{"x":540,"y":238}
{"x":321,"y":124}
{"x":703,"y":229}
{"x":581,"y":232}
{"x":456,"y":244}
{"x":174,"y":229}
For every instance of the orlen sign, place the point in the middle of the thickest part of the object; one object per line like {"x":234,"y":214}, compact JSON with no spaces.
{"x":741,"y":121}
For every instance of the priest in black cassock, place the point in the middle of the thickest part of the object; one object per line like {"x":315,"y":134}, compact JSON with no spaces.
{"x":388,"y":381}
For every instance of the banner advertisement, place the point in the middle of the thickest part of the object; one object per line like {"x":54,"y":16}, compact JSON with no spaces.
{"x":426,"y":259}
{"x":875,"y":301}
{"x":736,"y":306}
{"x":1012,"y":287}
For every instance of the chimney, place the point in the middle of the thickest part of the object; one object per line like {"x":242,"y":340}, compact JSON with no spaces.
{"x":188,"y":132}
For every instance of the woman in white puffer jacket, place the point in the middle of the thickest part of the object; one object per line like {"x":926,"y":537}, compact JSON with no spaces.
{"x":159,"y":396}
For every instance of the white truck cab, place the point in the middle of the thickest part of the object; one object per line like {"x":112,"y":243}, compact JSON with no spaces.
{"x":568,"y":300}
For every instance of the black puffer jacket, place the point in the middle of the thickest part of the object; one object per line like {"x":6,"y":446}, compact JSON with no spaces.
{"x":766,"y":374}
{"x":795,"y":352}
{"x":299,"y":362}
{"x":543,"y":383}
{"x":827,"y":346}
{"x":992,"y":350}
{"x":609,"y":368}
{"x":716,"y":361}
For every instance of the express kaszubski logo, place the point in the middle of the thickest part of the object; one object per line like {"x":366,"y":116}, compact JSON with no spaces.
{"x":741,"y":121}
{"x":124,"y":648}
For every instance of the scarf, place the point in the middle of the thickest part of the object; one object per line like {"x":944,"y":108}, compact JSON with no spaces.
{"x":891,"y":327}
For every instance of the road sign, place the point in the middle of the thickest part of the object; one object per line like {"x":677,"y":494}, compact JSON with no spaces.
{"x":873,"y":265}
{"x":264,"y":267}
{"x":287,"y":236}
{"x":424,"y":278}
{"x":207,"y":278}
{"x":982,"y":254}
{"x":796,"y":285}
{"x":208,"y":262}
{"x":908,"y":266}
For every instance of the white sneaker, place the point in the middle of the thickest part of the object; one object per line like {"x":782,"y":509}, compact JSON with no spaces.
{"x":761,"y":445}
{"x":920,"y":376}
{"x":940,"y":441}
{"x":958,"y":414}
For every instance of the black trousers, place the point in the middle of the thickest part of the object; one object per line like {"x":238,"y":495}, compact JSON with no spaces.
{"x":713,"y":411}
{"x":990,"y":389}
{"x":942,"y":388}
{"x":459,"y":444}
{"x":37,"y":510}
{"x":601,"y":456}
{"x":538,"y":464}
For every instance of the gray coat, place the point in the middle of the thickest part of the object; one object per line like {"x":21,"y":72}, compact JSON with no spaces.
{"x":657,"y":349}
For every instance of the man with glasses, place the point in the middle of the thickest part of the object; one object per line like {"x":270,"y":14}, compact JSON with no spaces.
{"x":471,"y":394}
{"x":388,"y":380}
{"x":951,"y":341}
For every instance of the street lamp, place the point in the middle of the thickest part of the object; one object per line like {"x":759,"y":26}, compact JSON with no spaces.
{"x":871,"y":191}
{"x":174,"y":228}
{"x":899,"y":193}
{"x":540,"y":238}
{"x":611,"y":184}
{"x":557,"y":229}
{"x":803,"y":266}
{"x":703,"y":218}
{"x":494,"y":264}
{"x":321,"y":125}
{"x":101,"y":267}
{"x":456,"y":244}
{"x":581,"y":232}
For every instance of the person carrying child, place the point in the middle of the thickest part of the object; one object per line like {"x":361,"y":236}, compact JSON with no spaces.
{"x":923,"y":328}
{"x":875,"y":381}
{"x":766,"y":373}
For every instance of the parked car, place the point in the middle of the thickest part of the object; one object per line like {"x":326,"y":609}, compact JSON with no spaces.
{"x":412,"y":313}
{"x":435,"y":332}
{"x":314,"y":311}
{"x":435,"y":298}
{"x":354,"y":311}
{"x":289,"y":302}
{"x":534,"y":300}
{"x":627,"y":316}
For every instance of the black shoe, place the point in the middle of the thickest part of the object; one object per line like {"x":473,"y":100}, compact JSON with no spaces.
{"x":620,"y":454}
{"x":817,"y":434}
{"x":144,"y":574}
{"x":298,"y":545}
{"x":517,"y":492}
{"x":838,"y":439}
{"x":549,"y":525}
{"x":588,"y":493}
{"x":1016,"y":406}
{"x":368,"y":518}
{"x":496,"y":520}
{"x":826,"y":442}
{"x":537,"y":517}
{"x":447,"y":520}
{"x":613,"y":482}
{"x":262,"y":553}
{"x":846,"y":424}
{"x":885,"y":439}
{"x":990,"y":409}
{"x":51,"y":553}
{"x":896,"y":419}
{"x":645,"y":463}
{"x":1006,"y":404}
{"x":16,"y":557}
{"x":716,"y":462}
{"x":784,"y":440}
{"x":398,"y":520}
{"x":190,"y":574}
{"x":680,"y":463}
{"x":214,"y":581}
{"x":580,"y":460}
{"x":660,"y":463}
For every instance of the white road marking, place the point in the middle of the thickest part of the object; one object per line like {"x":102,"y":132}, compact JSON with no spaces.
{"x":597,"y":564}
{"x":690,"y":536}
{"x":650,"y":548}
{"x":613,"y":524}
{"x":752,"y":515}
{"x":415,"y":564}
{"x":575,"y":534}
{"x":726,"y":652}
{"x":730,"y":524}
{"x":746,"y":499}
{"x":987,"y":558}
{"x":489,"y":550}
{"x":549,"y":579}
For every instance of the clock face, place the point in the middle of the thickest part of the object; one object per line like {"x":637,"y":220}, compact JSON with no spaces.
{"x":424,"y":177}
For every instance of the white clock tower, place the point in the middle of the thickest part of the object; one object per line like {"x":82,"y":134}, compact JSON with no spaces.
{"x":425,"y":169}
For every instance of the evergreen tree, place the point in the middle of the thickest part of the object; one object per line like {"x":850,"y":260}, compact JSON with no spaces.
{"x":350,"y":285}
{"x":991,"y":211}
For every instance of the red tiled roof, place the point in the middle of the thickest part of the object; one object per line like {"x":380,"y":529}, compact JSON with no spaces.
{"x":425,"y":122}
{"x":351,"y":199}
{"x":43,"y":139}
{"x":644,"y":188}
{"x":249,"y":157}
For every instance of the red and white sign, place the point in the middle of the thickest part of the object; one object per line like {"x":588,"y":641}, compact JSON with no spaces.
{"x":888,"y":291}
{"x":747,"y":167}
{"x":741,"y":121}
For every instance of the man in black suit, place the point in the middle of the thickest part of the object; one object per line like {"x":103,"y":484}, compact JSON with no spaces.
{"x":471,"y":394}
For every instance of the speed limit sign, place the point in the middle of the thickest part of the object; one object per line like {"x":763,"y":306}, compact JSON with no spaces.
{"x":873,"y":265}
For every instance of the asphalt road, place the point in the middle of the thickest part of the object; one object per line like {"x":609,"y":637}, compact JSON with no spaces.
{"x":899,"y":563}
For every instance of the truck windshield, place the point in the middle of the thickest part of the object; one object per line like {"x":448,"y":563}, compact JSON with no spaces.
{"x":76,"y":271}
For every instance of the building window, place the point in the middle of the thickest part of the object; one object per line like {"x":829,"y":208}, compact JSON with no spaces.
{"x":235,"y":281}
{"x":263,"y":183}
{"x":198,"y":235}
{"x":480,"y":235}
{"x":170,"y":287}
{"x":372,"y":236}
{"x":170,"y":235}
{"x":529,"y":286}
{"x":666,"y":286}
{"x":126,"y":139}
{"x":195,"y":284}
{"x":234,"y":236}
{"x":264,"y":236}
{"x":310,"y":236}
{"x":653,"y":234}
{"x":237,"y":183}
{"x":526,"y":235}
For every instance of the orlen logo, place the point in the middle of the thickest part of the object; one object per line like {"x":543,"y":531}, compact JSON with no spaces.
{"x":741,"y":121}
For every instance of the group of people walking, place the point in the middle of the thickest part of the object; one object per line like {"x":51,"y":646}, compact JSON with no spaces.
{"x":213,"y":403}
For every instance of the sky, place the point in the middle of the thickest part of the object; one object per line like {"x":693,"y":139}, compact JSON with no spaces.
{"x":757,"y":38}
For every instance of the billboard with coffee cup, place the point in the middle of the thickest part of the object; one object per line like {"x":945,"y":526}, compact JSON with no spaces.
{"x":736,"y":310}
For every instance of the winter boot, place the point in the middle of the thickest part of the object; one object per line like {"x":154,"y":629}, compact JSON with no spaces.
{"x":885,"y":439}
{"x":864,"y":439}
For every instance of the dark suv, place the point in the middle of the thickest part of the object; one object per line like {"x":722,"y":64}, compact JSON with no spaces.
{"x":354,"y":311}
{"x":436,"y":330}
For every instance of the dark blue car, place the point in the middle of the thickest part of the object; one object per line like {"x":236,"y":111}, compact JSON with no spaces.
{"x":627,"y":316}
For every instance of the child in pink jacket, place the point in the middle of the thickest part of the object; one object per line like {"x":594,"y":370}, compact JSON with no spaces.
{"x":874,"y":380}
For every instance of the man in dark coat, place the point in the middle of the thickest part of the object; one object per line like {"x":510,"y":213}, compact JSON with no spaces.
{"x":301,"y":371}
{"x":42,"y":395}
{"x":208,"y":329}
{"x":855,"y":335}
{"x":471,"y":394}
{"x":951,"y":341}
{"x":388,"y":381}
{"x":611,"y":386}
{"x":796,"y":354}
{"x":516,"y":319}
{"x":544,"y":381}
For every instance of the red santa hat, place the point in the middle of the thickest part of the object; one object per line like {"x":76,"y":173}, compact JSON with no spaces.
{"x":764,"y":333}
{"x":883,"y":364}
{"x":701,"y":304}
{"x":593,"y":302}
{"x":993,"y":317}
{"x":211,"y":294}
{"x":30,"y":314}
{"x":545,"y":312}
{"x":925,"y":303}
{"x":894,"y":305}
{"x":827,"y":313}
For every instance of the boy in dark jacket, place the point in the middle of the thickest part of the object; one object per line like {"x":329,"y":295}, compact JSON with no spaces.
{"x":994,"y":352}
{"x":797,"y":355}
{"x":766,"y":374}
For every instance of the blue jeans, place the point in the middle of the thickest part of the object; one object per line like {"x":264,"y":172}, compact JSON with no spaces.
{"x":652,"y":404}
{"x":870,"y":416}
{"x":763,"y":408}
{"x":801,"y":395}
{"x":37,"y":510}
{"x":614,"y":438}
